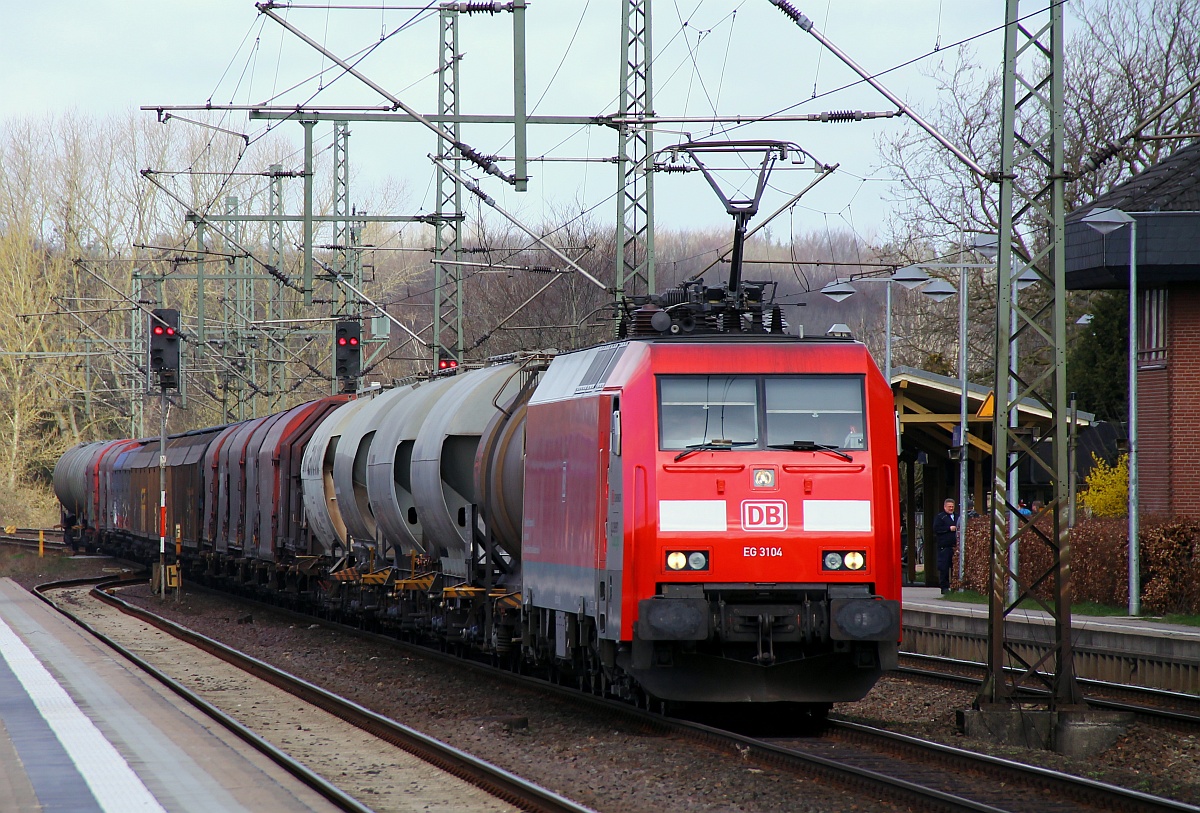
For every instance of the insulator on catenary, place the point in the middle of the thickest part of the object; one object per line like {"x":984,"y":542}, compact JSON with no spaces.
{"x":793,"y":12}
{"x":477,"y":7}
{"x":842,"y":115}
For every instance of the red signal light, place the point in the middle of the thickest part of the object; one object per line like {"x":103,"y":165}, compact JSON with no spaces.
{"x":347,"y":361}
{"x":163,"y":349}
{"x":447,"y":364}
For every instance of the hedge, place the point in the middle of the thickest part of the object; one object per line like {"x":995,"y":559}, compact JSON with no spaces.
{"x":1170,"y":561}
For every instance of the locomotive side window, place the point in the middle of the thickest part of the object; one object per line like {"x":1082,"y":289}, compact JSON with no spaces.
{"x":704,"y":408}
{"x":823,"y":409}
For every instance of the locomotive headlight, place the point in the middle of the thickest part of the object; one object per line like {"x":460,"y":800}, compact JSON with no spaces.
{"x":843,"y":560}
{"x":687,"y":560}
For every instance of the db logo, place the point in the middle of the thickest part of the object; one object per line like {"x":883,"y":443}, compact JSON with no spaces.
{"x":764,"y":515}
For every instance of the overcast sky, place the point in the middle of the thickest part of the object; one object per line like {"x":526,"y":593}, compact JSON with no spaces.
{"x":104,"y":57}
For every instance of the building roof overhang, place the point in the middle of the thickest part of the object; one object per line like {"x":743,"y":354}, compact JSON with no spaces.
{"x":1164,"y":199}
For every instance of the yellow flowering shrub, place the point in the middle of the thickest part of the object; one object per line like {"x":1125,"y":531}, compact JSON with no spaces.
{"x":1107,"y":493}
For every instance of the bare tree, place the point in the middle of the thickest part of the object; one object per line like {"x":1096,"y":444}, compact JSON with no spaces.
{"x":1129,"y":58}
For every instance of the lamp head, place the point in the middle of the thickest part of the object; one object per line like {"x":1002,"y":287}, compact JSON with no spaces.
{"x":1028,"y":277}
{"x":1106,"y":220}
{"x":987,"y":245}
{"x":839,"y":291}
{"x":910,"y":276}
{"x":939,"y":290}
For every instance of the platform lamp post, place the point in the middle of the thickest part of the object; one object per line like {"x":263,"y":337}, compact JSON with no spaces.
{"x":1106,"y":221}
{"x":1083,"y":321}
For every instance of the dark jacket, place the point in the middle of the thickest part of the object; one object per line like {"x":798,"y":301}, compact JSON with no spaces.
{"x":946,"y":538}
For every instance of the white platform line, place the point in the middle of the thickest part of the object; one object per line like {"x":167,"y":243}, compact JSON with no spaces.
{"x":114,"y":784}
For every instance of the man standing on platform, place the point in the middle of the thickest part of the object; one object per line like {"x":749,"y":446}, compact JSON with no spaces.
{"x":945,"y":531}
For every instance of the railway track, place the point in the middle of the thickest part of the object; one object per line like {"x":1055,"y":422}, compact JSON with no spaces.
{"x":28,"y":538}
{"x":502,"y":785}
{"x":1174,"y":709}
{"x":947,"y":778}
{"x":905,"y":770}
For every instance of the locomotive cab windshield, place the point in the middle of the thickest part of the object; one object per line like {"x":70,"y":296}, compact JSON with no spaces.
{"x":797,"y":412}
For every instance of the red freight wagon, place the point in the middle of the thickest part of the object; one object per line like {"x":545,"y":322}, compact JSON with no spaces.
{"x":278,"y":486}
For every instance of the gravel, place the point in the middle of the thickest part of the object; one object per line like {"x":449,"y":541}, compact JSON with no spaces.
{"x":607,"y":764}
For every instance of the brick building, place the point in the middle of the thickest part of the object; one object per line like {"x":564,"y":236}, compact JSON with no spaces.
{"x":1165,"y":202}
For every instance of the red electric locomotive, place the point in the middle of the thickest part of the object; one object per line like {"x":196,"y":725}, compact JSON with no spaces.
{"x":722,"y":510}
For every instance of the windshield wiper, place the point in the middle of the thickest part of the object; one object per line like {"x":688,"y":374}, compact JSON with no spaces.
{"x":718,"y":445}
{"x":811,"y":446}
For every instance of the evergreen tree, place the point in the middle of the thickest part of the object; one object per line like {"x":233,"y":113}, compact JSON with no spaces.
{"x":1098,"y":359}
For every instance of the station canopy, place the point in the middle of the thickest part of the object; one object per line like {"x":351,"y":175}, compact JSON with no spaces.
{"x":928,"y":407}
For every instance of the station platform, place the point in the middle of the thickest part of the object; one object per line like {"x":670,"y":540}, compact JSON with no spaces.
{"x":83,"y":730}
{"x":1139,"y":651}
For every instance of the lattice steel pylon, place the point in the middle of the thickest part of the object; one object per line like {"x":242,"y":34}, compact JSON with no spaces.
{"x":343,"y":303}
{"x":276,"y":368}
{"x":238,"y":313}
{"x":635,"y":195}
{"x":341,"y":209}
{"x":1031,"y":213}
{"x":447,"y":282}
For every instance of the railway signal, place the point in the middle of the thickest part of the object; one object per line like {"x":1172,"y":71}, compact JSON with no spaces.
{"x":447,"y":363}
{"x":347,"y":346}
{"x":164,"y":346}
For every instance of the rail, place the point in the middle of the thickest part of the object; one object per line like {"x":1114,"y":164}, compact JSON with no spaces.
{"x":492,"y":779}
